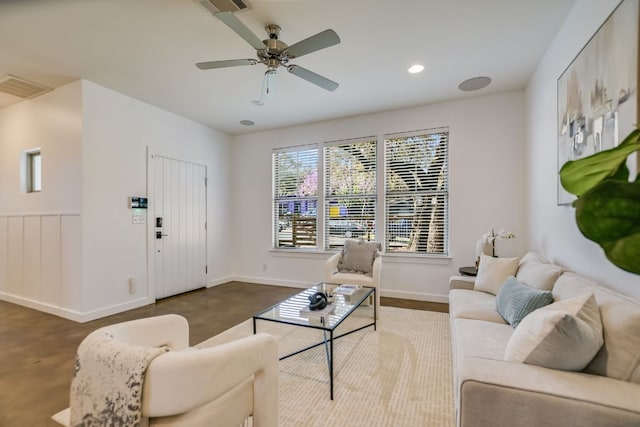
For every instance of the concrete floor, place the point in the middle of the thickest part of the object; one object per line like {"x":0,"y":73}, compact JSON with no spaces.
{"x":38,"y":349}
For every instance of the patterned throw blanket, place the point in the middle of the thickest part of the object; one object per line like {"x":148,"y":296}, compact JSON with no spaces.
{"x":106,"y":389}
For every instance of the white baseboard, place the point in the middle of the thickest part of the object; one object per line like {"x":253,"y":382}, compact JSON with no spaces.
{"x":418,"y":296}
{"x":219,"y":281}
{"x":80,"y":317}
{"x":114,"y":309}
{"x":40,"y":306}
{"x":274,"y":282}
{"x":76,"y":316}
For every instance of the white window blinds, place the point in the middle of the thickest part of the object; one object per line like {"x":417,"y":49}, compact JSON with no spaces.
{"x":416,"y":192}
{"x":295,"y":197}
{"x":350,"y":191}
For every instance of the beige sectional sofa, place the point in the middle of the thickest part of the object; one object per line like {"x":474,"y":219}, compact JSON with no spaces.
{"x":490,"y":391}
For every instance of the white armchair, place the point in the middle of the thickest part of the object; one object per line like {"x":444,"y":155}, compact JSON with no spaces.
{"x":333,"y":273}
{"x":185,"y":386}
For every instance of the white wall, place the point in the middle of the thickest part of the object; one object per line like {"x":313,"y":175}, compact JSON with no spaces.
{"x":117,"y":131}
{"x":552,"y":228}
{"x":487,"y":171}
{"x":71,"y":248}
{"x":52,"y":122}
{"x":40,"y":233}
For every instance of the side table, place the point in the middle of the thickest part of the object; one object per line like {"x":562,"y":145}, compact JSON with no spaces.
{"x":468,"y":271}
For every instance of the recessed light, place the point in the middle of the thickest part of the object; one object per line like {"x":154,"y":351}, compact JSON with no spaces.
{"x":475,"y":83}
{"x":416,"y":69}
{"x":247,"y":122}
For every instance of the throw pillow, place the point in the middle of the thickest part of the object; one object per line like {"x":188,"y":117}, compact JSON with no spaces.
{"x":515,"y":300}
{"x":565,"y":335}
{"x":358,"y":256}
{"x":537,"y":272}
{"x":492,"y":273}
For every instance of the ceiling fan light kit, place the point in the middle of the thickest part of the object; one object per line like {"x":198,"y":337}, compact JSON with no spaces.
{"x":272,"y":52}
{"x":268,"y":88}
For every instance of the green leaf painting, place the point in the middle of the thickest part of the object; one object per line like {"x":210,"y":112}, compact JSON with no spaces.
{"x":608,"y":204}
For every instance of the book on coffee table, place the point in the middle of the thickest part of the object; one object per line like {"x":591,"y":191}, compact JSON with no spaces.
{"x":346,"y":289}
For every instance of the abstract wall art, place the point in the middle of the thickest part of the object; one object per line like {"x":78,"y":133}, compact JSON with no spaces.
{"x":597,"y":93}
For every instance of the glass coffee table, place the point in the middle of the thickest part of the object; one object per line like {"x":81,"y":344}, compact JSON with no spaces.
{"x":293,"y":311}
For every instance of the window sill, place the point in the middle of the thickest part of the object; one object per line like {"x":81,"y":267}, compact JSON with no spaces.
{"x":301,"y":253}
{"x":387,"y":257}
{"x":416,"y":259}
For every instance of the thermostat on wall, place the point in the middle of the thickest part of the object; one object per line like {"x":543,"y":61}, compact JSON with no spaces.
{"x":138,"y":202}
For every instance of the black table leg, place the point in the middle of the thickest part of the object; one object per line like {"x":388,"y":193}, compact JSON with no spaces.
{"x":375,"y":310}
{"x":254,"y":326}
{"x":331,"y":362}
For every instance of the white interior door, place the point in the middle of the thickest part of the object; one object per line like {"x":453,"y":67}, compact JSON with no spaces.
{"x":179,"y":224}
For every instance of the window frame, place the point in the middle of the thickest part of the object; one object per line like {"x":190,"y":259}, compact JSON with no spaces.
{"x":31,"y":171}
{"x":442,"y":194}
{"x":343,"y":223}
{"x":380,"y":197}
{"x":296,"y":218}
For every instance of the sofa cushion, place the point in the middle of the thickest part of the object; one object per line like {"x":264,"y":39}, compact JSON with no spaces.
{"x":619,"y":357}
{"x":478,"y":338}
{"x":358,"y":256}
{"x":537,"y":272}
{"x":565,"y":335}
{"x":515,"y":300}
{"x":469,"y":304}
{"x":493,"y":271}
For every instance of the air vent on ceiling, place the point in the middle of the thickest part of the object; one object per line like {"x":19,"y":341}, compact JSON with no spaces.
{"x":20,"y":87}
{"x":215,"y":6}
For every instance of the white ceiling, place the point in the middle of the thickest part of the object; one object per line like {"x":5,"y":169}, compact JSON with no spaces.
{"x":147,"y":49}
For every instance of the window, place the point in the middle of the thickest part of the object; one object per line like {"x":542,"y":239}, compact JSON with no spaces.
{"x":295,"y":197}
{"x":350,"y":191}
{"x":416,"y":193}
{"x":340,"y":191}
{"x":31,"y":171}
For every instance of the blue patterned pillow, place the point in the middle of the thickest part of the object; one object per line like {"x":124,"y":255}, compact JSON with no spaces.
{"x":515,"y":300}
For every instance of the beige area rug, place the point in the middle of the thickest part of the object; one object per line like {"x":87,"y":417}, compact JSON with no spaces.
{"x":399,"y":375}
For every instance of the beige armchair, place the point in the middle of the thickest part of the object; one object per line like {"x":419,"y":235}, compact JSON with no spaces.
{"x":185,"y":386}
{"x":356,"y":265}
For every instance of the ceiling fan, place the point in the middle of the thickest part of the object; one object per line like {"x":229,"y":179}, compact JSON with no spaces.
{"x":274,"y":53}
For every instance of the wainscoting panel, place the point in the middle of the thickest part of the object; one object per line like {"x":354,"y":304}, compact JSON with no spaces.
{"x":71,"y":261}
{"x":51,"y":265}
{"x":41,"y":260}
{"x":31,"y":267}
{"x":4,"y":254}
{"x":15,"y":280}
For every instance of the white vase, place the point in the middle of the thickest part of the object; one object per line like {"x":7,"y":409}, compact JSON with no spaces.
{"x":483,"y":247}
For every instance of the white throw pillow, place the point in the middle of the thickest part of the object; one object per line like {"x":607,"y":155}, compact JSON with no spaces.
{"x":492,"y":273}
{"x":565,"y":335}
{"x":537,"y":272}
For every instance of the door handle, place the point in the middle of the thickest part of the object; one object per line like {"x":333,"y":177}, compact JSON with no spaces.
{"x":159,"y":235}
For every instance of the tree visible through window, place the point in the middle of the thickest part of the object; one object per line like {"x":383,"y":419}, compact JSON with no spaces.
{"x":295,"y":174}
{"x":416,"y":196}
{"x":350,"y":192}
{"x":415,"y":199}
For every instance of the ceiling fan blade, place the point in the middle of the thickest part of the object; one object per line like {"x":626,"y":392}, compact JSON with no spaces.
{"x":321,"y":40}
{"x":240,"y":29}
{"x":223,"y":64}
{"x":312,"y":77}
